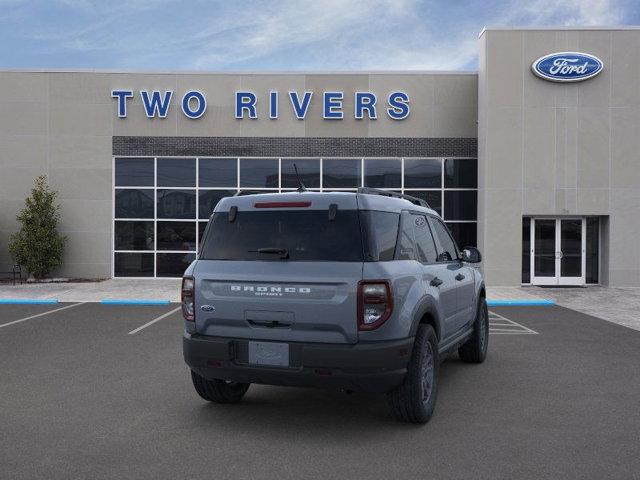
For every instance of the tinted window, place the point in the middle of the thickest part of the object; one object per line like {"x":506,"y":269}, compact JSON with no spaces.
{"x":133,"y":236}
{"x":432,"y":197}
{"x":460,"y":205}
{"x":424,"y":241}
{"x":173,"y":264}
{"x":593,"y":240}
{"x":422,"y":173}
{"x":382,"y":173}
{"x":259,"y":172}
{"x":526,"y":250}
{"x":208,"y":199}
{"x":134,"y":172}
{"x":133,"y":264}
{"x":201,"y":227}
{"x":306,"y":235}
{"x":340,"y":173}
{"x":406,"y":248}
{"x":461,"y":173}
{"x":448,"y":250}
{"x":176,"y":204}
{"x":379,"y":232}
{"x":465,"y":234}
{"x":308,"y":168}
{"x":134,"y":203}
{"x":176,"y":235}
{"x":218,"y":172}
{"x":176,"y":172}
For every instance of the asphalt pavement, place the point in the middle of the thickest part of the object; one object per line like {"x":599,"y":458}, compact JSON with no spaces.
{"x":82,"y":397}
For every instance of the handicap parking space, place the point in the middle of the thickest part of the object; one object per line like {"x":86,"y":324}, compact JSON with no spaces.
{"x":100,"y":402}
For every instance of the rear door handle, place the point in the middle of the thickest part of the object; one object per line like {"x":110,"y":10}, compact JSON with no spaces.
{"x":436,"y":282}
{"x":460,"y":277}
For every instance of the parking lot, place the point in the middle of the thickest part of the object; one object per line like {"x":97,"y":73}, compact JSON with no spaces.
{"x":101,"y":391}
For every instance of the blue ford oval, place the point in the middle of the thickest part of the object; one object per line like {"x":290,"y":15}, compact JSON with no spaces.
{"x":567,"y":66}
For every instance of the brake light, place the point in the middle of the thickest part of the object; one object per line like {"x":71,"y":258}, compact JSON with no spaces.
{"x":282,"y":204}
{"x":188,"y":295}
{"x":375,"y":303}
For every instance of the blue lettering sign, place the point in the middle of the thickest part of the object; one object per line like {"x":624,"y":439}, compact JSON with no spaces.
{"x":246,"y":101}
{"x":200,"y":100}
{"x":273,"y":105}
{"x":332,"y":105}
{"x":300,"y":108}
{"x":156,"y":105}
{"x":365,"y":101}
{"x":122,"y":96}
{"x":398,"y":105}
{"x":567,"y":67}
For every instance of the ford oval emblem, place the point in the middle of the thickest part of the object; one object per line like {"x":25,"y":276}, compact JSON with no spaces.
{"x":567,"y":66}
{"x":207,"y":308}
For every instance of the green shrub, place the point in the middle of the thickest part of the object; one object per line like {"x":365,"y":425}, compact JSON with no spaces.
{"x":38,"y":246}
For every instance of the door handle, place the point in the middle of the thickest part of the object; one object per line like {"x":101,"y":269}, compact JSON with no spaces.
{"x":436,"y":282}
{"x":460,"y":277}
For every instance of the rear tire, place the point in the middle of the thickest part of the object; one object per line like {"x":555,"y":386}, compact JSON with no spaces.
{"x":474,"y":350}
{"x":415,"y":399}
{"x":219,"y":391}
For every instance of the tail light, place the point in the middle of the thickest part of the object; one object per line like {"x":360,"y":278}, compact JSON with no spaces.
{"x":375,"y":303}
{"x":188,"y":295}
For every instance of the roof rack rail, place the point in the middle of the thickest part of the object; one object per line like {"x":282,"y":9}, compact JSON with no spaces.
{"x":242,"y":193}
{"x":386,"y":193}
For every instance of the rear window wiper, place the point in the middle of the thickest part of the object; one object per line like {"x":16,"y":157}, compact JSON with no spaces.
{"x":283,"y":252}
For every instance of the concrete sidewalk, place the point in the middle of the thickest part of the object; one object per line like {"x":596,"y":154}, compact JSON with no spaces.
{"x":617,"y":305}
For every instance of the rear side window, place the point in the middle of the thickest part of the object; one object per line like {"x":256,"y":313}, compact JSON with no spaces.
{"x":306,"y":235}
{"x":424,"y":241}
{"x":406,"y":249}
{"x":379,"y":233}
{"x":448,"y":250}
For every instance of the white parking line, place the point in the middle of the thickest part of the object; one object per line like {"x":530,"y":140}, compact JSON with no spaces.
{"x":39,"y":315}
{"x":165,"y":315}
{"x":499,"y":325}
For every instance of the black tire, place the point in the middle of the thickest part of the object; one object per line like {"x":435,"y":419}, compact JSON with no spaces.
{"x":415,"y":399}
{"x":219,"y":391}
{"x":474,"y":350}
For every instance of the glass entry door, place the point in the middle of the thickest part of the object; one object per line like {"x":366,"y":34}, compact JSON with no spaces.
{"x":558,"y":251}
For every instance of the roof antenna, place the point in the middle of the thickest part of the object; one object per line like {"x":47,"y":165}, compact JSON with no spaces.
{"x":301,"y":187}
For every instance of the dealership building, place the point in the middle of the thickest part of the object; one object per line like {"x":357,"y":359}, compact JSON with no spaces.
{"x":534,"y":158}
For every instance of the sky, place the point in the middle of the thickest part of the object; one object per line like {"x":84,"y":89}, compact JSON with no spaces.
{"x":277,"y":35}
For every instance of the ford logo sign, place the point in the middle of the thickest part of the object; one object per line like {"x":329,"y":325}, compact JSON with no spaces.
{"x":567,"y":66}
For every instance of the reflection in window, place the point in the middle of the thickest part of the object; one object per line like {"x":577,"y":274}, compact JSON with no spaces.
{"x":218,"y":172}
{"x":383,"y":173}
{"x":340,"y":173}
{"x":308,"y":168}
{"x":133,"y":264}
{"x":460,"y":173}
{"x":134,"y":203}
{"x":133,"y":236}
{"x":460,"y":205}
{"x":259,"y":172}
{"x":173,"y":264}
{"x":134,"y":172}
{"x":208,"y":199}
{"x":176,"y":172}
{"x":176,"y":204}
{"x":422,"y":173}
{"x":176,"y":235}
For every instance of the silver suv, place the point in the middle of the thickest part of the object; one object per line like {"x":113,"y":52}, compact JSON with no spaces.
{"x":355,"y":291}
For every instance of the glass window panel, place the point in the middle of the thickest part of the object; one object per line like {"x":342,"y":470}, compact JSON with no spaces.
{"x":201,"y":227}
{"x":544,"y":261}
{"x":425,"y":244}
{"x":447,"y":250}
{"x":134,"y":203}
{"x":593,"y":240}
{"x":460,"y":173}
{"x":134,"y":172}
{"x":176,"y":235}
{"x":176,"y":203}
{"x":406,"y":247}
{"x":308,"y":168}
{"x":380,"y":232}
{"x":526,"y":250}
{"x":133,"y":236}
{"x":208,"y":199}
{"x":340,"y":173}
{"x":259,"y":172}
{"x":571,"y":248}
{"x":460,"y":205}
{"x":432,"y":197}
{"x":218,"y":172}
{"x":173,"y":264}
{"x":422,"y":173}
{"x":382,"y":173}
{"x":133,"y":264}
{"x":465,"y":234}
{"x":176,"y":172}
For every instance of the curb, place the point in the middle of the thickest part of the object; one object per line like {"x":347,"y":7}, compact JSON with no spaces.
{"x":28,"y":301}
{"x":520,"y":303}
{"x":115,"y":301}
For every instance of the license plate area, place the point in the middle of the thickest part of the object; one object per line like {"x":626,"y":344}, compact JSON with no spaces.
{"x":269,"y":353}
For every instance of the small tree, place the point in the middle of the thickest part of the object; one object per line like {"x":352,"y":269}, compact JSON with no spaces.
{"x":38,"y":246}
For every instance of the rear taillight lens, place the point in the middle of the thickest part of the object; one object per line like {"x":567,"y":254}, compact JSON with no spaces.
{"x":375,"y":303}
{"x":188,"y":295}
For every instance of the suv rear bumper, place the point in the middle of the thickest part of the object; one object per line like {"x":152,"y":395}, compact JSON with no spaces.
{"x":371,"y":367}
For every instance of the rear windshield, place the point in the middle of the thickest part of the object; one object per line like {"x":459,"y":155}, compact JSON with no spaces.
{"x":299,"y":235}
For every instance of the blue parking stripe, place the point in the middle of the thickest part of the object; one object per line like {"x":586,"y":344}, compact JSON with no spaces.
{"x":520,"y":303}
{"x":28,"y":301}
{"x":114,"y":301}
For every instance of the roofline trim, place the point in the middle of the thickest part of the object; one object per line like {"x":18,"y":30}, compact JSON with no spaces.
{"x":561,"y":27}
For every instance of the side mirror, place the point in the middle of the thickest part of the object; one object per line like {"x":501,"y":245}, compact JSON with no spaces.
{"x":471,"y":255}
